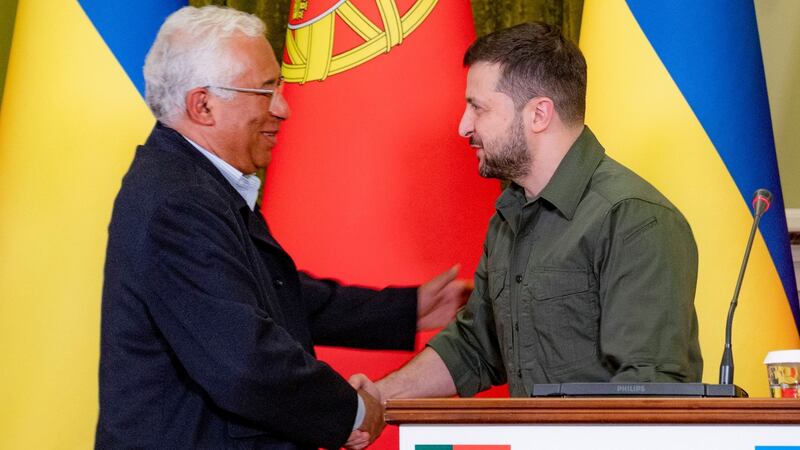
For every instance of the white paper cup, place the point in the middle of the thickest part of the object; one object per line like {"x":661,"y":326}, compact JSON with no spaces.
{"x":783,"y":372}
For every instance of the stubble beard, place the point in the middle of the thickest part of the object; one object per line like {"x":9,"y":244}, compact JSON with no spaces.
{"x":511,"y":161}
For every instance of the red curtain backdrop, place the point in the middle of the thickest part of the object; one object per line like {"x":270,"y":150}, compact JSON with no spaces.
{"x":370,"y":183}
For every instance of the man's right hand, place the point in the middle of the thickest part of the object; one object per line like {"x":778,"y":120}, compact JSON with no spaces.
{"x":405,"y":383}
{"x":373,"y":423}
{"x":360,"y":381}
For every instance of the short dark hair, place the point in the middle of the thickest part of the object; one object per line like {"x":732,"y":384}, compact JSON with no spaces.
{"x":536,"y":60}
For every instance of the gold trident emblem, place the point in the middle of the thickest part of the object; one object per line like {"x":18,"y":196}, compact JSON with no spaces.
{"x":309,"y":46}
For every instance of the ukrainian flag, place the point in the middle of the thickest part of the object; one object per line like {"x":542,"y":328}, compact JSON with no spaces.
{"x":676,"y":92}
{"x":71,"y":116}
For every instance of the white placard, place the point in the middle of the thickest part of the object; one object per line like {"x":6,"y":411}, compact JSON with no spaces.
{"x":606,"y":437}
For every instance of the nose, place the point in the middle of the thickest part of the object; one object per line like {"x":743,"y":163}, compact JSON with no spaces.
{"x":278,"y":107}
{"x":466,"y":125}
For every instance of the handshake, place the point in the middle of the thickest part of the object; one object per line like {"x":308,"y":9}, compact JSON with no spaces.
{"x":404,"y":383}
{"x":438,"y":301}
{"x":373,"y":424}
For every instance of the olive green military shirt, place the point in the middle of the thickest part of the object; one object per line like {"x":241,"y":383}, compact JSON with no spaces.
{"x":592,"y":281}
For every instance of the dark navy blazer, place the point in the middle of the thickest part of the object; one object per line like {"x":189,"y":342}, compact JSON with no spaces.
{"x":208,"y":327}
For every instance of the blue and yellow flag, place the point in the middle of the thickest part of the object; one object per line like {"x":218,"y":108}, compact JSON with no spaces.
{"x":676,"y":92}
{"x":71,"y":118}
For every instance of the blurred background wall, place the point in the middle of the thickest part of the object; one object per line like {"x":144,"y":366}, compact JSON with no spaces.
{"x":780,"y":45}
{"x":8,"y":9}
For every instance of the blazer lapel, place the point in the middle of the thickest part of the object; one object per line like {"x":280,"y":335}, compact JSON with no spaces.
{"x":258,"y":229}
{"x":256,"y":225}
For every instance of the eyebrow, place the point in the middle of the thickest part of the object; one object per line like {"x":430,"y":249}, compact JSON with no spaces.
{"x":272,"y":81}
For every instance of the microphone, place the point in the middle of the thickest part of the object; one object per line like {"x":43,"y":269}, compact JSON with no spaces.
{"x":761,"y":202}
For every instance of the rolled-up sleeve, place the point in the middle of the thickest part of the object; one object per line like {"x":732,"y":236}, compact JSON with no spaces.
{"x":469,"y":346}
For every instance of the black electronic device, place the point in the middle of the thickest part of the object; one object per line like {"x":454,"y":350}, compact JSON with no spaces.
{"x":637,"y":390}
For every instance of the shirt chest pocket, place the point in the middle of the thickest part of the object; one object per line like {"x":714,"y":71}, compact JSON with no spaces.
{"x":562,"y":308}
{"x":549,"y":284}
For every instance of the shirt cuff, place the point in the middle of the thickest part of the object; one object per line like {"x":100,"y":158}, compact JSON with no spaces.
{"x":360,"y":413}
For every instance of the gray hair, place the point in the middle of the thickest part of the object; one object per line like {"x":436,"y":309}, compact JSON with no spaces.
{"x":190,"y":51}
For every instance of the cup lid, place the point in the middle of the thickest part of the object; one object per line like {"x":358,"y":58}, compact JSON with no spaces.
{"x":782,"y":356}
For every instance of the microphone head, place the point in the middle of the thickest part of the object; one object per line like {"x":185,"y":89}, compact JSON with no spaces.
{"x":762,"y":198}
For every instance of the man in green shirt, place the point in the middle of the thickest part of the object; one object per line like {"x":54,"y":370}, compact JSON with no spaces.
{"x":588,"y":273}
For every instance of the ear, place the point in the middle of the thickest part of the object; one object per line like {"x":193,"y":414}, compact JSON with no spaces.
{"x":198,"y":107}
{"x":539,"y":112}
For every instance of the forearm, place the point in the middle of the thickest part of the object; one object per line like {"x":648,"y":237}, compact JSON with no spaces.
{"x":424,"y":376}
{"x":351,"y":316}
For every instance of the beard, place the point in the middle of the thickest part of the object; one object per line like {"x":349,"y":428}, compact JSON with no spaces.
{"x":508,"y":160}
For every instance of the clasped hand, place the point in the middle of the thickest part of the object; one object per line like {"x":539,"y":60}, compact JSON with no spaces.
{"x":438,"y":301}
{"x":373,"y":422}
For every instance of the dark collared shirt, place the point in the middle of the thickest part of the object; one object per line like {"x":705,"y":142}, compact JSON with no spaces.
{"x":593,"y":280}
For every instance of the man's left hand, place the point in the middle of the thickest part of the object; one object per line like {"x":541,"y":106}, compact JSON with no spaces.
{"x":439,"y":299}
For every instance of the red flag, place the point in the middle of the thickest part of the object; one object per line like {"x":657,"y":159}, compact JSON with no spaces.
{"x":371,"y":183}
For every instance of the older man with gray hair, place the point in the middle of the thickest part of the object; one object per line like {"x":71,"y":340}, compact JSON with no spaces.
{"x":207,"y":326}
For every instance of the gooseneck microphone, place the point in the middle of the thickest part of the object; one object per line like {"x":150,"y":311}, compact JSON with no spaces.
{"x":761,"y":202}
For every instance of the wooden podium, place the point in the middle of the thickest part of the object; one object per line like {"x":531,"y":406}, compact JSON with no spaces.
{"x":598,"y":423}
